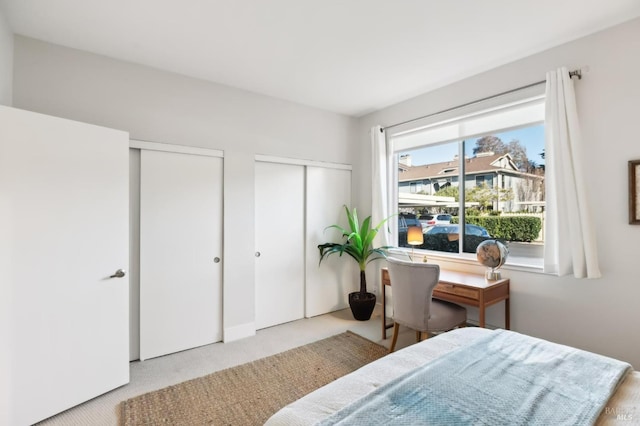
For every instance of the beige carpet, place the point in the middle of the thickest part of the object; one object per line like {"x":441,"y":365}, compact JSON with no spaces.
{"x":250,"y":393}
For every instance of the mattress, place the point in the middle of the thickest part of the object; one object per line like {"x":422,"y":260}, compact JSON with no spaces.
{"x":622,"y":409}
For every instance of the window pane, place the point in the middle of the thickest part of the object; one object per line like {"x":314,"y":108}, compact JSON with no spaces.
{"x":434,"y":169}
{"x":503,"y":189}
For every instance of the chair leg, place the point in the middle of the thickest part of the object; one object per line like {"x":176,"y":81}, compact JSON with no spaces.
{"x":421,"y":335}
{"x":394,"y":340}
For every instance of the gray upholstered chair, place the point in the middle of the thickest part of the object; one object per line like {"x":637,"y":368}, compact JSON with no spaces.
{"x":412,"y":287}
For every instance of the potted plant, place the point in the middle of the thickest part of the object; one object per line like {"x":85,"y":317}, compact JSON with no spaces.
{"x":358,"y":243}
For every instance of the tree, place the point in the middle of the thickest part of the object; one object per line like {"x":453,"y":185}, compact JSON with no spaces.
{"x":486,"y":196}
{"x":481,"y":194}
{"x":530,"y":189}
{"x":514,"y":148}
{"x":518,"y":154}
{"x":449,"y":191}
{"x":489,"y":144}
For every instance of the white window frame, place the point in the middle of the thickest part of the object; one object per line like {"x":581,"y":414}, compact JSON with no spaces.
{"x":521,"y":108}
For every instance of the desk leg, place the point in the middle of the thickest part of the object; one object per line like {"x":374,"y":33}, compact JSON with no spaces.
{"x":481,"y":309}
{"x":507,"y":314}
{"x":384,"y":310}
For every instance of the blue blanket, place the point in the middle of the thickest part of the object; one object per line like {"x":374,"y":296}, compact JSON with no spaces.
{"x":504,"y":378}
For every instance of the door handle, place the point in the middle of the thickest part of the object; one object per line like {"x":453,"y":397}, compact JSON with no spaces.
{"x":119,"y":274}
{"x":216,"y":260}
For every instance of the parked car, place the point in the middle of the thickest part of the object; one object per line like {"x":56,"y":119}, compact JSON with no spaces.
{"x":469,"y":229}
{"x":407,"y":219}
{"x":435,"y":219}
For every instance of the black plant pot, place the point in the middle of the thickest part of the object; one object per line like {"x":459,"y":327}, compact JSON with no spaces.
{"x":362,"y":305}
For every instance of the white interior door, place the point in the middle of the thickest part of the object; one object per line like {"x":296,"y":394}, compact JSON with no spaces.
{"x":64,"y":227}
{"x":180,"y":252}
{"x":327,"y":285}
{"x":279,"y":224}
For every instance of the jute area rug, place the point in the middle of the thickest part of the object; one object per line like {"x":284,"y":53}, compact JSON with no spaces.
{"x":251,"y":393}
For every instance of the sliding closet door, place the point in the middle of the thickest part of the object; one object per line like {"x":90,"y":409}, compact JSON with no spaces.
{"x":64,"y":227}
{"x":327,"y":285}
{"x":134,"y":254}
{"x":279,"y":224}
{"x":180,"y":252}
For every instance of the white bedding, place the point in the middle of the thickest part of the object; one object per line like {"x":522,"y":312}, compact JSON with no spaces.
{"x":623,"y":408}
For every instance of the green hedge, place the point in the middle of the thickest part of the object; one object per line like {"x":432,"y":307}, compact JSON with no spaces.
{"x":509,"y":228}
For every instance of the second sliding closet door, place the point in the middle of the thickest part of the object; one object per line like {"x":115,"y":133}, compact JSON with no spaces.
{"x":279,"y":223}
{"x":328,"y":285}
{"x":180,"y":251}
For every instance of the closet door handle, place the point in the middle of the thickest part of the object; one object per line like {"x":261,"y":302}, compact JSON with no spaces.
{"x":119,"y":274}
{"x":257,"y":254}
{"x":216,"y":260}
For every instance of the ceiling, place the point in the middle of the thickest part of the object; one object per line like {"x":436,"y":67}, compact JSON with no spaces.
{"x":347,"y":56}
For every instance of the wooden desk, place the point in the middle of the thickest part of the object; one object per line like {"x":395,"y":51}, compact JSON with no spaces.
{"x":463,"y":288}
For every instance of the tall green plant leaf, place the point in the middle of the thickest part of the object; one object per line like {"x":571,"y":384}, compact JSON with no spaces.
{"x":358,"y":243}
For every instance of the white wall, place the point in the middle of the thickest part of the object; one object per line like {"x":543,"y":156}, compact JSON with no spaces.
{"x":159,"y":106}
{"x":6,"y":69}
{"x":6,"y":61}
{"x":599,"y":315}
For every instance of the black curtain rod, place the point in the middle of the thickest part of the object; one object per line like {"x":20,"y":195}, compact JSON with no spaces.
{"x":574,"y":73}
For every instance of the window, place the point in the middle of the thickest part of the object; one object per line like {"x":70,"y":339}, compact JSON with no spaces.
{"x":483,"y":168}
{"x":484,"y":180}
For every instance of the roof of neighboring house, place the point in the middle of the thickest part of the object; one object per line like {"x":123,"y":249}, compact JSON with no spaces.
{"x":482,"y":163}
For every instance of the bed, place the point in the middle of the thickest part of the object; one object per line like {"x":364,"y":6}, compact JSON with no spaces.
{"x":364,"y":388}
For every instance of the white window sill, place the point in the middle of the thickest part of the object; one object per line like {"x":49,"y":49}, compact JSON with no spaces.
{"x":468,"y":261}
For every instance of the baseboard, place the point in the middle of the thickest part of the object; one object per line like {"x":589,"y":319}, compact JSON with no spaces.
{"x":239,"y":332}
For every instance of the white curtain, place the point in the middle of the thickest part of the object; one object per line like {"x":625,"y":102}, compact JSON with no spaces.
{"x":380,"y":209}
{"x":570,"y":243}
